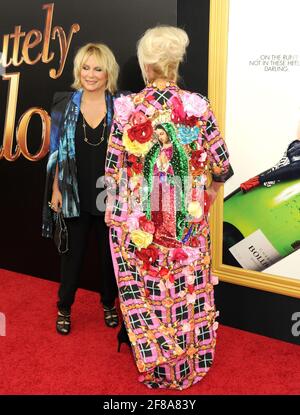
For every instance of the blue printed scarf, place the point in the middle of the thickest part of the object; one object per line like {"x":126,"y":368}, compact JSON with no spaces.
{"x":64,"y":116}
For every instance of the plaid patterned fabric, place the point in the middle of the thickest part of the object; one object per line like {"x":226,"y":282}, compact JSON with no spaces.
{"x":171,"y":325}
{"x":218,"y":153}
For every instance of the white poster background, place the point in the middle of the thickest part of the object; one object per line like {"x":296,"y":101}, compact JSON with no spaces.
{"x":263,"y":92}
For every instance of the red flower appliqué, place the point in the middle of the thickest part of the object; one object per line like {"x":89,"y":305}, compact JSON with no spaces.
{"x":206,"y":203}
{"x":149,"y":254}
{"x":134,"y":165}
{"x":141,"y":132}
{"x":146,"y":225}
{"x":178,"y":114}
{"x":194,"y":242}
{"x":191,"y":121}
{"x":198,"y":159}
{"x":163,"y":273}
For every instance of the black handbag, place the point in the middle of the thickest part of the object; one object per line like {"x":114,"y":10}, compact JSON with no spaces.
{"x":61,"y":233}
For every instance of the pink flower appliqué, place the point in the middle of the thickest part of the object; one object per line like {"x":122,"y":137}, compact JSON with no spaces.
{"x":215,"y":326}
{"x":133,"y":221}
{"x":192,"y":255}
{"x":138,"y":118}
{"x":186,"y":327}
{"x":181,"y":293}
{"x":193,"y":104}
{"x":179,"y":255}
{"x":208,"y":308}
{"x":190,"y":279}
{"x":214,"y":280}
{"x":191,"y":298}
{"x":123,"y":108}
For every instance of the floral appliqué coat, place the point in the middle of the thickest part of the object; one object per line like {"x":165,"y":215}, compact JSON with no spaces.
{"x":164,"y":150}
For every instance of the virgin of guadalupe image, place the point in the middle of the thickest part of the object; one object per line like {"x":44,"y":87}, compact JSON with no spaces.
{"x":165,"y":178}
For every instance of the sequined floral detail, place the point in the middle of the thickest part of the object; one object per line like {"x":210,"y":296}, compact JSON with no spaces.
{"x":178,"y":113}
{"x":146,"y":225}
{"x":135,"y":165}
{"x":141,"y":239}
{"x":138,"y":118}
{"x":148,"y":255}
{"x":214,"y":280}
{"x":193,"y":105}
{"x":187,"y":134}
{"x":141,"y":132}
{"x":134,"y":147}
{"x":132,"y":222}
{"x":191,"y":298}
{"x":198,"y":162}
{"x":124,"y":107}
{"x":195,"y":209}
{"x":186,"y":327}
{"x":178,"y":255}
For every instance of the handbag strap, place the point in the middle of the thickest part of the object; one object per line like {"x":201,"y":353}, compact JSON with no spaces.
{"x":60,"y":218}
{"x":63,"y":227}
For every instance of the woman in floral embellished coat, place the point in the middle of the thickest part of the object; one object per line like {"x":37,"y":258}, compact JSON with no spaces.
{"x":165,"y":162}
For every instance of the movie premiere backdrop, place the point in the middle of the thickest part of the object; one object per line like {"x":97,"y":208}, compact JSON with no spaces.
{"x":262,"y":221}
{"x":38,"y":41}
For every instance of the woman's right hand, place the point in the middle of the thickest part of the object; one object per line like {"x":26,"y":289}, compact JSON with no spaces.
{"x":56,"y":200}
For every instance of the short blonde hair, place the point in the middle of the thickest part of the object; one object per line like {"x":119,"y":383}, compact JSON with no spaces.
{"x":107,"y":62}
{"x":162,"y":47}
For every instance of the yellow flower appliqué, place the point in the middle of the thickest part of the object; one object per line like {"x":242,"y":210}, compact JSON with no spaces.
{"x":141,"y":238}
{"x":134,"y":147}
{"x":195,"y":209}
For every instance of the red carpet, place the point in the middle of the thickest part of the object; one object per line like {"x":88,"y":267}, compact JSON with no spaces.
{"x":36,"y":360}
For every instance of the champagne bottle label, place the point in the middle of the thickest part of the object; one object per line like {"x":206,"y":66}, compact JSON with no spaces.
{"x":255,"y":252}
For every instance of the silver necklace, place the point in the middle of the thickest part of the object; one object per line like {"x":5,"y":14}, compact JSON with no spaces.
{"x":86,"y":140}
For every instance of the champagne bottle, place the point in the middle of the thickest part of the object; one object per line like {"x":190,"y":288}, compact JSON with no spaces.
{"x":262,"y":217}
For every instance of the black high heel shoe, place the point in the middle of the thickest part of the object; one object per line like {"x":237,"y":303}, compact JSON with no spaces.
{"x":111,"y":316}
{"x":123,"y":337}
{"x":63,"y":323}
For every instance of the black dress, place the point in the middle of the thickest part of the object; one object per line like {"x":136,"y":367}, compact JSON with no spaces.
{"x":90,"y":162}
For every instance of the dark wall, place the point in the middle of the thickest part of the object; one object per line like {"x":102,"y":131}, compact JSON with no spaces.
{"x":193,"y":17}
